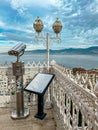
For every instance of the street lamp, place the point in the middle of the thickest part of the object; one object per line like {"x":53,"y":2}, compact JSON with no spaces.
{"x":38,"y":27}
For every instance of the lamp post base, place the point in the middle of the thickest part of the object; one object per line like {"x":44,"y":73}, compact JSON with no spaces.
{"x":20,"y":116}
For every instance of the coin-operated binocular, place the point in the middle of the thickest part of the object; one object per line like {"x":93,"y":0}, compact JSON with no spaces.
{"x":18,"y":72}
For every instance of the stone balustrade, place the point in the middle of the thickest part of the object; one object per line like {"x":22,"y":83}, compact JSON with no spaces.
{"x":74,"y":104}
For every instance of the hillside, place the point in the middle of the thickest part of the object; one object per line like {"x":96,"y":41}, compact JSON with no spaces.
{"x":90,"y":50}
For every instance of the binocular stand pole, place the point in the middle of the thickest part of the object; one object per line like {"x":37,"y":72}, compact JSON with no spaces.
{"x":20,"y":112}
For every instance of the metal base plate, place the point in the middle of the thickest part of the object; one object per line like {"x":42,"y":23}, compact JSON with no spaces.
{"x":22,"y":116}
{"x":40,"y":116}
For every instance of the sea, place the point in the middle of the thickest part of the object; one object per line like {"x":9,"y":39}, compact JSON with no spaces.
{"x":69,"y":61}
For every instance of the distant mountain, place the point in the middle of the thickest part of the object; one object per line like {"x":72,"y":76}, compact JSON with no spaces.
{"x":90,"y":50}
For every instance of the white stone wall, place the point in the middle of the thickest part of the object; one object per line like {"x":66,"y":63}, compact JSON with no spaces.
{"x":8,"y":85}
{"x":3,"y":84}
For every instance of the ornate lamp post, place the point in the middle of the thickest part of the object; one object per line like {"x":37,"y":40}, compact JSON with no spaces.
{"x":57,"y":27}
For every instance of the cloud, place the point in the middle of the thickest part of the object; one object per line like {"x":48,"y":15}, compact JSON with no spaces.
{"x":79,"y":19}
{"x":34,"y":47}
{"x":6,"y":45}
{"x":2,"y":35}
{"x":23,"y":5}
{"x":2,"y":24}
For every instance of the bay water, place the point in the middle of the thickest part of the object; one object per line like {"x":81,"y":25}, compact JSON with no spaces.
{"x":69,"y":61}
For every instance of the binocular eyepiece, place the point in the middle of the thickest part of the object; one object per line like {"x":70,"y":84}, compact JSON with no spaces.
{"x":17,"y":50}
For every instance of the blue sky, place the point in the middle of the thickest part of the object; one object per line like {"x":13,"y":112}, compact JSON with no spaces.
{"x":79,"y":19}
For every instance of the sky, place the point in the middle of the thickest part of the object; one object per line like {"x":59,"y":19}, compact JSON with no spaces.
{"x":78,"y":17}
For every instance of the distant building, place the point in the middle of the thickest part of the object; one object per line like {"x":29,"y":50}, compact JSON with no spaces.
{"x":78,"y":70}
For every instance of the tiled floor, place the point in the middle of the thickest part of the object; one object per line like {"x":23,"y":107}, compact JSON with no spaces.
{"x":30,"y":123}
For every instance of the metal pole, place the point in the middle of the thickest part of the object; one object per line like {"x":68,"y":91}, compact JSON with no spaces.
{"x":20,"y":112}
{"x":47,"y":46}
{"x":19,"y":96}
{"x":40,"y":114}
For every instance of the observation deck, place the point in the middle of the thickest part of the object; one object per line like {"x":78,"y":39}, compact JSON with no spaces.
{"x":70,"y":101}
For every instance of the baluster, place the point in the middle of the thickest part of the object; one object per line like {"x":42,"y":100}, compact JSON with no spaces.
{"x":34,"y":99}
{"x":63,"y":104}
{"x":77,"y":116}
{"x":60,"y":100}
{"x":73,"y":115}
{"x":53,"y":86}
{"x":57,"y":96}
{"x":55,"y":92}
{"x":83,"y":122}
{"x":68,"y":111}
{"x":48,"y":103}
